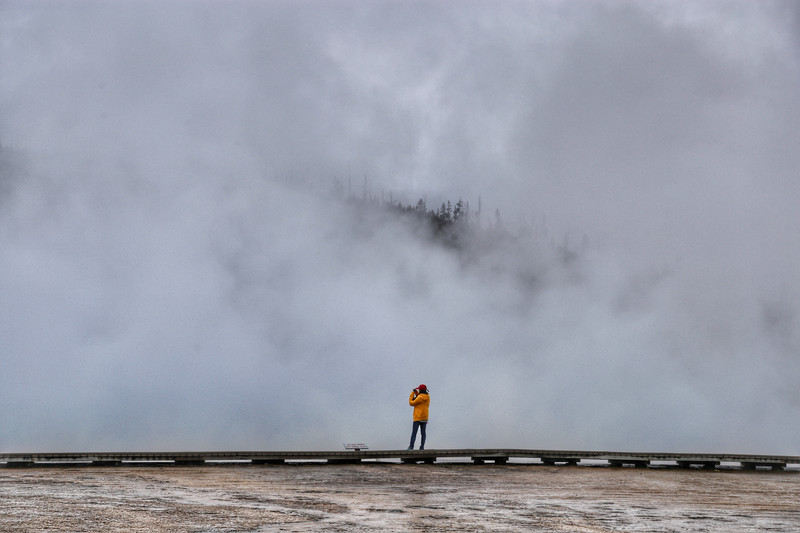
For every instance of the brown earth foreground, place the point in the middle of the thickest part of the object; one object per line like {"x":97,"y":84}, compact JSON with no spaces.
{"x":393,"y":497}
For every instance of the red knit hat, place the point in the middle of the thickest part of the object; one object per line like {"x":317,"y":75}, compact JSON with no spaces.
{"x":423,"y":388}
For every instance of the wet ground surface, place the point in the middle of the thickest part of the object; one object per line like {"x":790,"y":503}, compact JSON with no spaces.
{"x":394,"y":497}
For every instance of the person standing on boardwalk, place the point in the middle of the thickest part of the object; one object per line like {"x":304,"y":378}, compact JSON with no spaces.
{"x":419,"y":400}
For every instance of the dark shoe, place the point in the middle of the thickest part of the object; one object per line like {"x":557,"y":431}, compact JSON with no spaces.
{"x":409,"y":448}
{"x":421,"y":448}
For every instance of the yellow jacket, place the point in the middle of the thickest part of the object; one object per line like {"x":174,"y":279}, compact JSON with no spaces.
{"x":420,"y":404}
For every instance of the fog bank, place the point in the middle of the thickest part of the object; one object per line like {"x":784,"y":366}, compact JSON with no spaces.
{"x":176,"y":272}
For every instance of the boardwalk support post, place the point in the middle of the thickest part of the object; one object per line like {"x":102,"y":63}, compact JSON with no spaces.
{"x":567,"y":461}
{"x":636,"y":463}
{"x":20,"y":464}
{"x":707,"y":465}
{"x":753,"y":465}
{"x":189,"y":462}
{"x":106,"y":462}
{"x":497,"y":459}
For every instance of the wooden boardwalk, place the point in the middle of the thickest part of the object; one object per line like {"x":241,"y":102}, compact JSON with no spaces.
{"x":476,"y":456}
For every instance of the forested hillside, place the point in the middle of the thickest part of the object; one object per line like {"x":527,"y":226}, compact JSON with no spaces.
{"x":460,"y":227}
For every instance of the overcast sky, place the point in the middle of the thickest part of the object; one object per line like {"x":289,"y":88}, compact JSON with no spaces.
{"x":173,"y":276}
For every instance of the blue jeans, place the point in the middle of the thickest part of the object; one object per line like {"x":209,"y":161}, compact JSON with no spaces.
{"x":421,"y":427}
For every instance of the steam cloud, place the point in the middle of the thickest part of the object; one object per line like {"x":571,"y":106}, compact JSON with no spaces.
{"x":175,"y":275}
